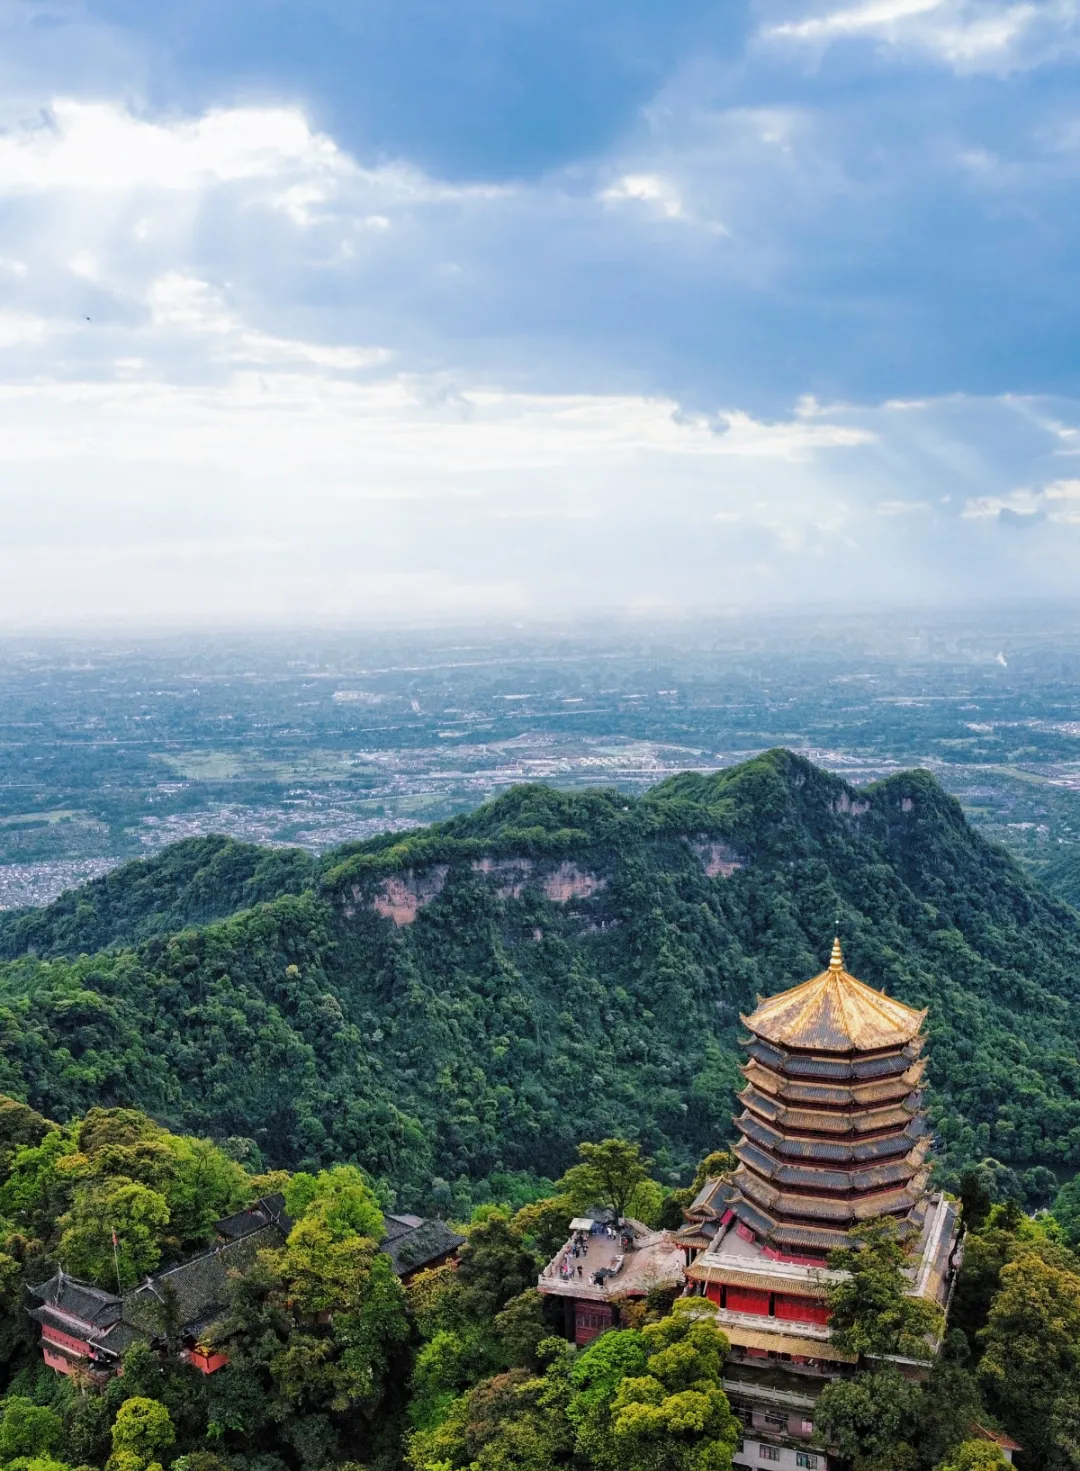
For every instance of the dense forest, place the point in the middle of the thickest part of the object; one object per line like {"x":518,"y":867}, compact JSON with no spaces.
{"x":335,"y":1364}
{"x":436,"y":1022}
{"x":454,"y":1009}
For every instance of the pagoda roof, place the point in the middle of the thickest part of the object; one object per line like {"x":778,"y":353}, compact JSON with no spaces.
{"x":844,"y":1182}
{"x":70,"y":1298}
{"x":834,"y":1095}
{"x":834,"y":1012}
{"x":824,"y":1121}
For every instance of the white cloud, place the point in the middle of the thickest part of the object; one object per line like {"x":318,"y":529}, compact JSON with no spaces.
{"x":227,"y":439}
{"x":903,"y":508}
{"x":994,"y":35}
{"x":874,"y":17}
{"x":192,"y":306}
{"x":1059,"y":501}
{"x":21,"y":328}
{"x":1023,"y":502}
{"x":101,"y":146}
{"x":297,"y":491}
{"x":648,"y":189}
{"x":744,"y":435}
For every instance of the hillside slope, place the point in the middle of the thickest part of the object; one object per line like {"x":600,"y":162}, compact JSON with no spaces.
{"x":192,"y":882}
{"x":477,"y":996}
{"x":1062,"y":878}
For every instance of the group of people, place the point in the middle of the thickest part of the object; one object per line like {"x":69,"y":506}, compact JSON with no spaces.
{"x":572,"y":1262}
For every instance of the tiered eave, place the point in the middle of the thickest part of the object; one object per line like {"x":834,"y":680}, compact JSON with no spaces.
{"x":832,"y":1126}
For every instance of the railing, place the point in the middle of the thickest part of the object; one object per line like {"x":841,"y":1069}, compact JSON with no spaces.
{"x":774,"y":1396}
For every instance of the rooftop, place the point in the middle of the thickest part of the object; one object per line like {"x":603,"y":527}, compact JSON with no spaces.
{"x":655,"y":1261}
{"x":269,"y":1209}
{"x":834,"y":1012}
{"x":412,"y":1243}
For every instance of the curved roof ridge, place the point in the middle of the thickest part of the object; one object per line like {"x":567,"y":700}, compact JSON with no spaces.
{"x":835,"y":1012}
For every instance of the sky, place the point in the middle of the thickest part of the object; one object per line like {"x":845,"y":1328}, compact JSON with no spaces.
{"x":385,"y":310}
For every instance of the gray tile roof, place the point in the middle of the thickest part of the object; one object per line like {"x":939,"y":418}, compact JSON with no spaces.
{"x":418,"y":1246}
{"x":75,"y":1299}
{"x":270,"y":1209}
{"x":199,"y":1284}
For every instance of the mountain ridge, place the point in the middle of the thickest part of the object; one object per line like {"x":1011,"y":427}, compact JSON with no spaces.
{"x":470,"y":999}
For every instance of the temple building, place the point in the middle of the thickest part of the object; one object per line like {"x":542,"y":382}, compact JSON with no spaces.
{"x":832,"y":1134}
{"x":85,"y":1330}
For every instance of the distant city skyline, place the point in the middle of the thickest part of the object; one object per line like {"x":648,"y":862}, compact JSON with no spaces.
{"x":409,"y":310}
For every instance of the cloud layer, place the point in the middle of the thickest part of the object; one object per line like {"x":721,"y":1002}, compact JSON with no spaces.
{"x":795,"y":316}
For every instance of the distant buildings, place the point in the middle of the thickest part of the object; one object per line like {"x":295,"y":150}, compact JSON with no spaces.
{"x":85,"y":1330}
{"x":832,"y":1134}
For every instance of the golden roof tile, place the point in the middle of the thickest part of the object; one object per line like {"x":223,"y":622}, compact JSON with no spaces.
{"x":839,"y":1095}
{"x":834,"y":1012}
{"x":706,"y":1271}
{"x":784,"y":1343}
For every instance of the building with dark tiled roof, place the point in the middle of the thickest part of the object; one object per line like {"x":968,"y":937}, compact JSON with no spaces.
{"x":416,"y":1245}
{"x":267,"y":1211}
{"x":85,"y":1330}
{"x":74,"y":1319}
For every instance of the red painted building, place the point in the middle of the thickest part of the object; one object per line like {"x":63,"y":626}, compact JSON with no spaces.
{"x":85,"y":1330}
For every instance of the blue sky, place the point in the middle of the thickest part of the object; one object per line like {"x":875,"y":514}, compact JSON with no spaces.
{"x":358,"y":310}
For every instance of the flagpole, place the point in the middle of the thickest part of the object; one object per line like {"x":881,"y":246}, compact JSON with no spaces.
{"x":116,"y":1263}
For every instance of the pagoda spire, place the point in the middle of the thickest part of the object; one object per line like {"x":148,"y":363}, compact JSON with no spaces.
{"x":836,"y":960}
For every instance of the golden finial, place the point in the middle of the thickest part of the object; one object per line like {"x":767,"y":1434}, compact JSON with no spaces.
{"x":836,"y":960}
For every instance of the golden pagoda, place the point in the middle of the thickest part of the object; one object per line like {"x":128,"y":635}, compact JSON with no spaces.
{"x":832,"y":1126}
{"x":832,"y":1134}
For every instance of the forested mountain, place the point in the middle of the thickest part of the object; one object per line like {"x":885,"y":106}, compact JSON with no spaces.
{"x":472,"y":999}
{"x":192,"y":882}
{"x":1062,"y":877}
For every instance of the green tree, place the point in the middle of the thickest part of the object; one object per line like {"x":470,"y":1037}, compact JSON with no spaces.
{"x":340,"y":1198}
{"x":544,"y":1225}
{"x":872,"y":1311}
{"x":20,"y":1128}
{"x":520,"y":1328}
{"x":973,"y":1455}
{"x":134,"y":1213}
{"x":1065,"y":1430}
{"x":38,"y":1186}
{"x":653,"y":1400}
{"x":975,"y":1197}
{"x":608,"y":1174}
{"x":352,"y":1286}
{"x":494,"y":1263}
{"x":142,"y":1427}
{"x":1031,"y":1349}
{"x":39,"y":1463}
{"x":869,"y":1420}
{"x":319,"y":1319}
{"x":509,"y":1422}
{"x":27,"y":1429}
{"x":1066,"y":1210}
{"x":484,"y":1316}
{"x":1006,"y":1235}
{"x":948,"y":1404}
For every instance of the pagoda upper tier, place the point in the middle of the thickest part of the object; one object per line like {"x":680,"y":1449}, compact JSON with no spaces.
{"x":833,"y":1131}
